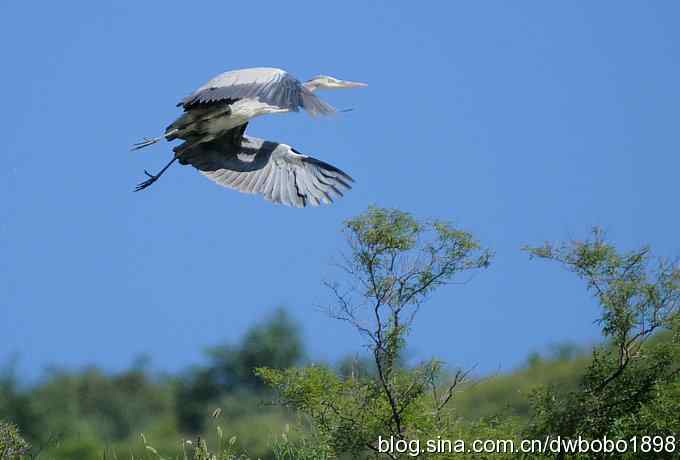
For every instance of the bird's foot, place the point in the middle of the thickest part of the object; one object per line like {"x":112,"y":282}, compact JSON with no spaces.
{"x":146,"y":183}
{"x":145,"y":143}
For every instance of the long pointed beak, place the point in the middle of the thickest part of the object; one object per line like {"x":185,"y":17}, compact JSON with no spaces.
{"x":351,"y":84}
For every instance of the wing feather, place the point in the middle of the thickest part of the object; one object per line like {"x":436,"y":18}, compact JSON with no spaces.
{"x":273,"y":170}
{"x":266,"y":189}
{"x":238,"y":180}
{"x":304,"y":189}
{"x":290,"y":187}
{"x":248,"y":184}
{"x":261,"y":181}
{"x":276,"y":187}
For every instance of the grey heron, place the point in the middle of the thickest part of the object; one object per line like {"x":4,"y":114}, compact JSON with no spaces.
{"x":235,"y":97}
{"x":214,"y":122}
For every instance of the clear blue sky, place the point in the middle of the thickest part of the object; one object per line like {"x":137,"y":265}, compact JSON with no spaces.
{"x":521,"y":122}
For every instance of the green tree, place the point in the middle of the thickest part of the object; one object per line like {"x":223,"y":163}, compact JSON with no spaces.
{"x":632,"y":381}
{"x":395,"y":263}
{"x":275,"y":343}
{"x":16,"y":405}
{"x":12,"y":445}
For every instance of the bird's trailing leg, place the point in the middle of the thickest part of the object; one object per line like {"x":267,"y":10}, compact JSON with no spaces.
{"x":145,"y":143}
{"x":154,"y":140}
{"x":153,"y":178}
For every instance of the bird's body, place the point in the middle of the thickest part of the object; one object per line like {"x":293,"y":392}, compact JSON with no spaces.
{"x":206,"y":123}
{"x":214,"y":121}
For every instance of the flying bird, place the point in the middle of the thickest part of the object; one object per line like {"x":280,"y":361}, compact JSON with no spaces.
{"x":214,"y":122}
{"x":235,"y":97}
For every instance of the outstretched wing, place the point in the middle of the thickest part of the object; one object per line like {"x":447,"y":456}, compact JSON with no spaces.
{"x":275,"y":87}
{"x":276,"y":171}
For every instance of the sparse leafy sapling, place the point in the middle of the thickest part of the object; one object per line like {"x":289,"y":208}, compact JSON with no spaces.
{"x":394,"y":264}
{"x":639,"y":298}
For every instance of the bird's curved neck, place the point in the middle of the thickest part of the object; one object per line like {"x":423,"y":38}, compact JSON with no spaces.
{"x":311,"y":86}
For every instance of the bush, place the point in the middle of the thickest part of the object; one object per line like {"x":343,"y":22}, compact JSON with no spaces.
{"x":12,"y":445}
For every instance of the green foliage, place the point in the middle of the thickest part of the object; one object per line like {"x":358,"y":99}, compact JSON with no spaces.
{"x":296,"y":445}
{"x":632,"y":375}
{"x":384,"y":230}
{"x":16,"y":405}
{"x":86,"y":447}
{"x":509,"y":393}
{"x":498,"y":427}
{"x":227,"y":449}
{"x":398,"y":260}
{"x":274,"y":343}
{"x":335,"y":405}
{"x":629,"y":385}
{"x":12,"y":445}
{"x":86,"y":413}
{"x":395,"y":263}
{"x":112,"y":407}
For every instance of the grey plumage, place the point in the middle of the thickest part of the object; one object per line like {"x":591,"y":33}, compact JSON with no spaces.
{"x":271,"y":86}
{"x":214,"y":121}
{"x":273,"y":170}
{"x":235,"y":97}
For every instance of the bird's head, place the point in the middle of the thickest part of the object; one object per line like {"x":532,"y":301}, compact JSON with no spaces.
{"x":326,"y":82}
